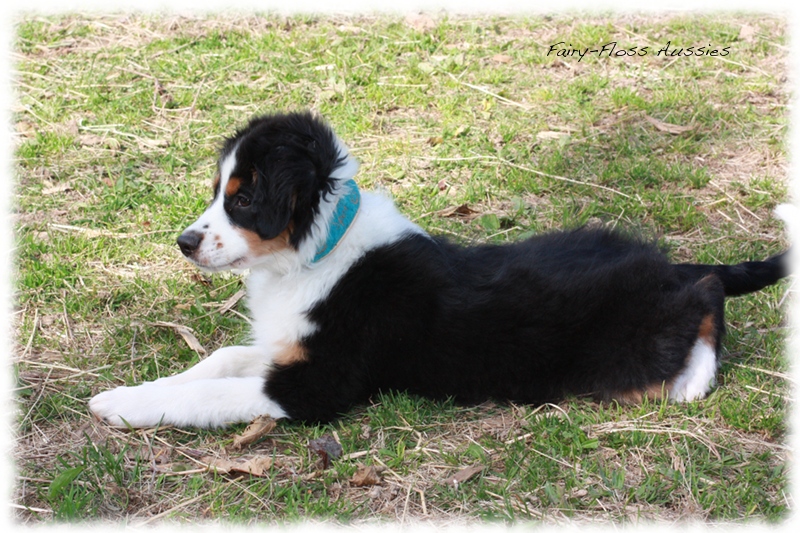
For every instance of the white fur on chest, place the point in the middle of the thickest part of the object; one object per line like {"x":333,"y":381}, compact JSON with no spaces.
{"x":280,"y":298}
{"x":278,"y":307}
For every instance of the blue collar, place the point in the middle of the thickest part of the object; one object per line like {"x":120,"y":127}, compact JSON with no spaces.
{"x":341,"y":220}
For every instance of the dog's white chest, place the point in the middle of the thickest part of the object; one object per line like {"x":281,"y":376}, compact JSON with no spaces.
{"x":279,"y":304}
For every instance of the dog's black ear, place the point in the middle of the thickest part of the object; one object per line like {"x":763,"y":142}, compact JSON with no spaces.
{"x":285,"y":191}
{"x":293,"y":157}
{"x":272,"y":196}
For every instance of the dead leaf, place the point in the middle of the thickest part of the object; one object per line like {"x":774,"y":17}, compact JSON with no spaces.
{"x":420,"y":22}
{"x":498,"y":426}
{"x":60,"y":187}
{"x":551,"y":134}
{"x":501,"y":58}
{"x":194,"y":454}
{"x":187,"y":334}
{"x":259,"y":427}
{"x":159,"y":456}
{"x":463,"y":210}
{"x":72,"y":128}
{"x":558,"y":63}
{"x":366,"y":476}
{"x":463,"y":475}
{"x":461,"y":130}
{"x":666,"y":127}
{"x":201,"y":279}
{"x":153,"y":143}
{"x":90,"y":139}
{"x":327,"y":447}
{"x":433,"y":141}
{"x":255,"y":466}
{"x":233,"y":300}
{"x":747,"y":33}
{"x":26,"y":129}
{"x":162,"y":91}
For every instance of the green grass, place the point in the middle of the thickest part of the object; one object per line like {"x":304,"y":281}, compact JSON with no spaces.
{"x":118,"y":119}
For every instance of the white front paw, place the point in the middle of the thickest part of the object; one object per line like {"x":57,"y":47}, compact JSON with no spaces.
{"x":127,"y":406}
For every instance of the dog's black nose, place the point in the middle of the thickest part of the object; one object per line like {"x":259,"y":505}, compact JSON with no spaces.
{"x":189,"y":241}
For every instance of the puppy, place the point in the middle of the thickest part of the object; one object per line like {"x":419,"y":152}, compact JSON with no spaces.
{"x":348,"y":297}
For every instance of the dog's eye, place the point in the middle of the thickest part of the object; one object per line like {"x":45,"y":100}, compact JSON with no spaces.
{"x":241,"y":201}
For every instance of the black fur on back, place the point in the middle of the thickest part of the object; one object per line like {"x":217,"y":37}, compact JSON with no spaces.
{"x":589,"y":311}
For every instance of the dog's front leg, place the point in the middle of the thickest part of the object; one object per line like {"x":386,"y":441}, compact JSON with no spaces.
{"x":228,"y":362}
{"x":199,"y":403}
{"x":226,"y":387}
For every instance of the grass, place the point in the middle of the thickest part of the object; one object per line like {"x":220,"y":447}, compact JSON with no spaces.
{"x":117,"y":122}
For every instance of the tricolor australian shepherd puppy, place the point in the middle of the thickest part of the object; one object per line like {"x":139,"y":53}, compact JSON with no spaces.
{"x":348,"y":297}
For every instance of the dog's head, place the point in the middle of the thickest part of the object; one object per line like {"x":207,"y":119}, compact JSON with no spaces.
{"x":276,"y":180}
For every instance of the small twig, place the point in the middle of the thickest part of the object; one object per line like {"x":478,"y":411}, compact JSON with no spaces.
{"x":490,"y":93}
{"x":734,"y":201}
{"x":28,"y":345}
{"x":768,"y":393}
{"x":468,"y":158}
{"x":32,"y":509}
{"x":173,"y":509}
{"x":77,"y":373}
{"x":422,"y":501}
{"x":746,"y":67}
{"x":35,"y":401}
{"x":66,"y":318}
{"x":173,"y":50}
{"x":91,"y":232}
{"x":405,"y":504}
{"x":562,"y":178}
{"x":787,"y":293}
{"x":502,"y":232}
{"x":528,"y":169}
{"x":765,"y":371}
{"x":619,"y":428}
{"x":354,"y":455}
{"x":526,"y":436}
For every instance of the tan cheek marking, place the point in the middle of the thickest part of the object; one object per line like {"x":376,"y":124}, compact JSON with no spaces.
{"x":233,"y":185}
{"x":289,"y":354}
{"x":259,"y":246}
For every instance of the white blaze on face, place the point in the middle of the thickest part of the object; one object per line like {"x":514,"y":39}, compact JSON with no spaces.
{"x":225,"y":246}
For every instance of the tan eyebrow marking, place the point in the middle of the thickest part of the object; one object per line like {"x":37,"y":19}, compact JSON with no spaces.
{"x":233,"y":185}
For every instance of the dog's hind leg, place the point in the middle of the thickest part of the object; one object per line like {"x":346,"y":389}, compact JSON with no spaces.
{"x":698,"y":375}
{"x":685,"y":368}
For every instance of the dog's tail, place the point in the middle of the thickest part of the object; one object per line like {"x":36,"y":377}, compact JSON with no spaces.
{"x":749,"y":276}
{"x":743,"y":278}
